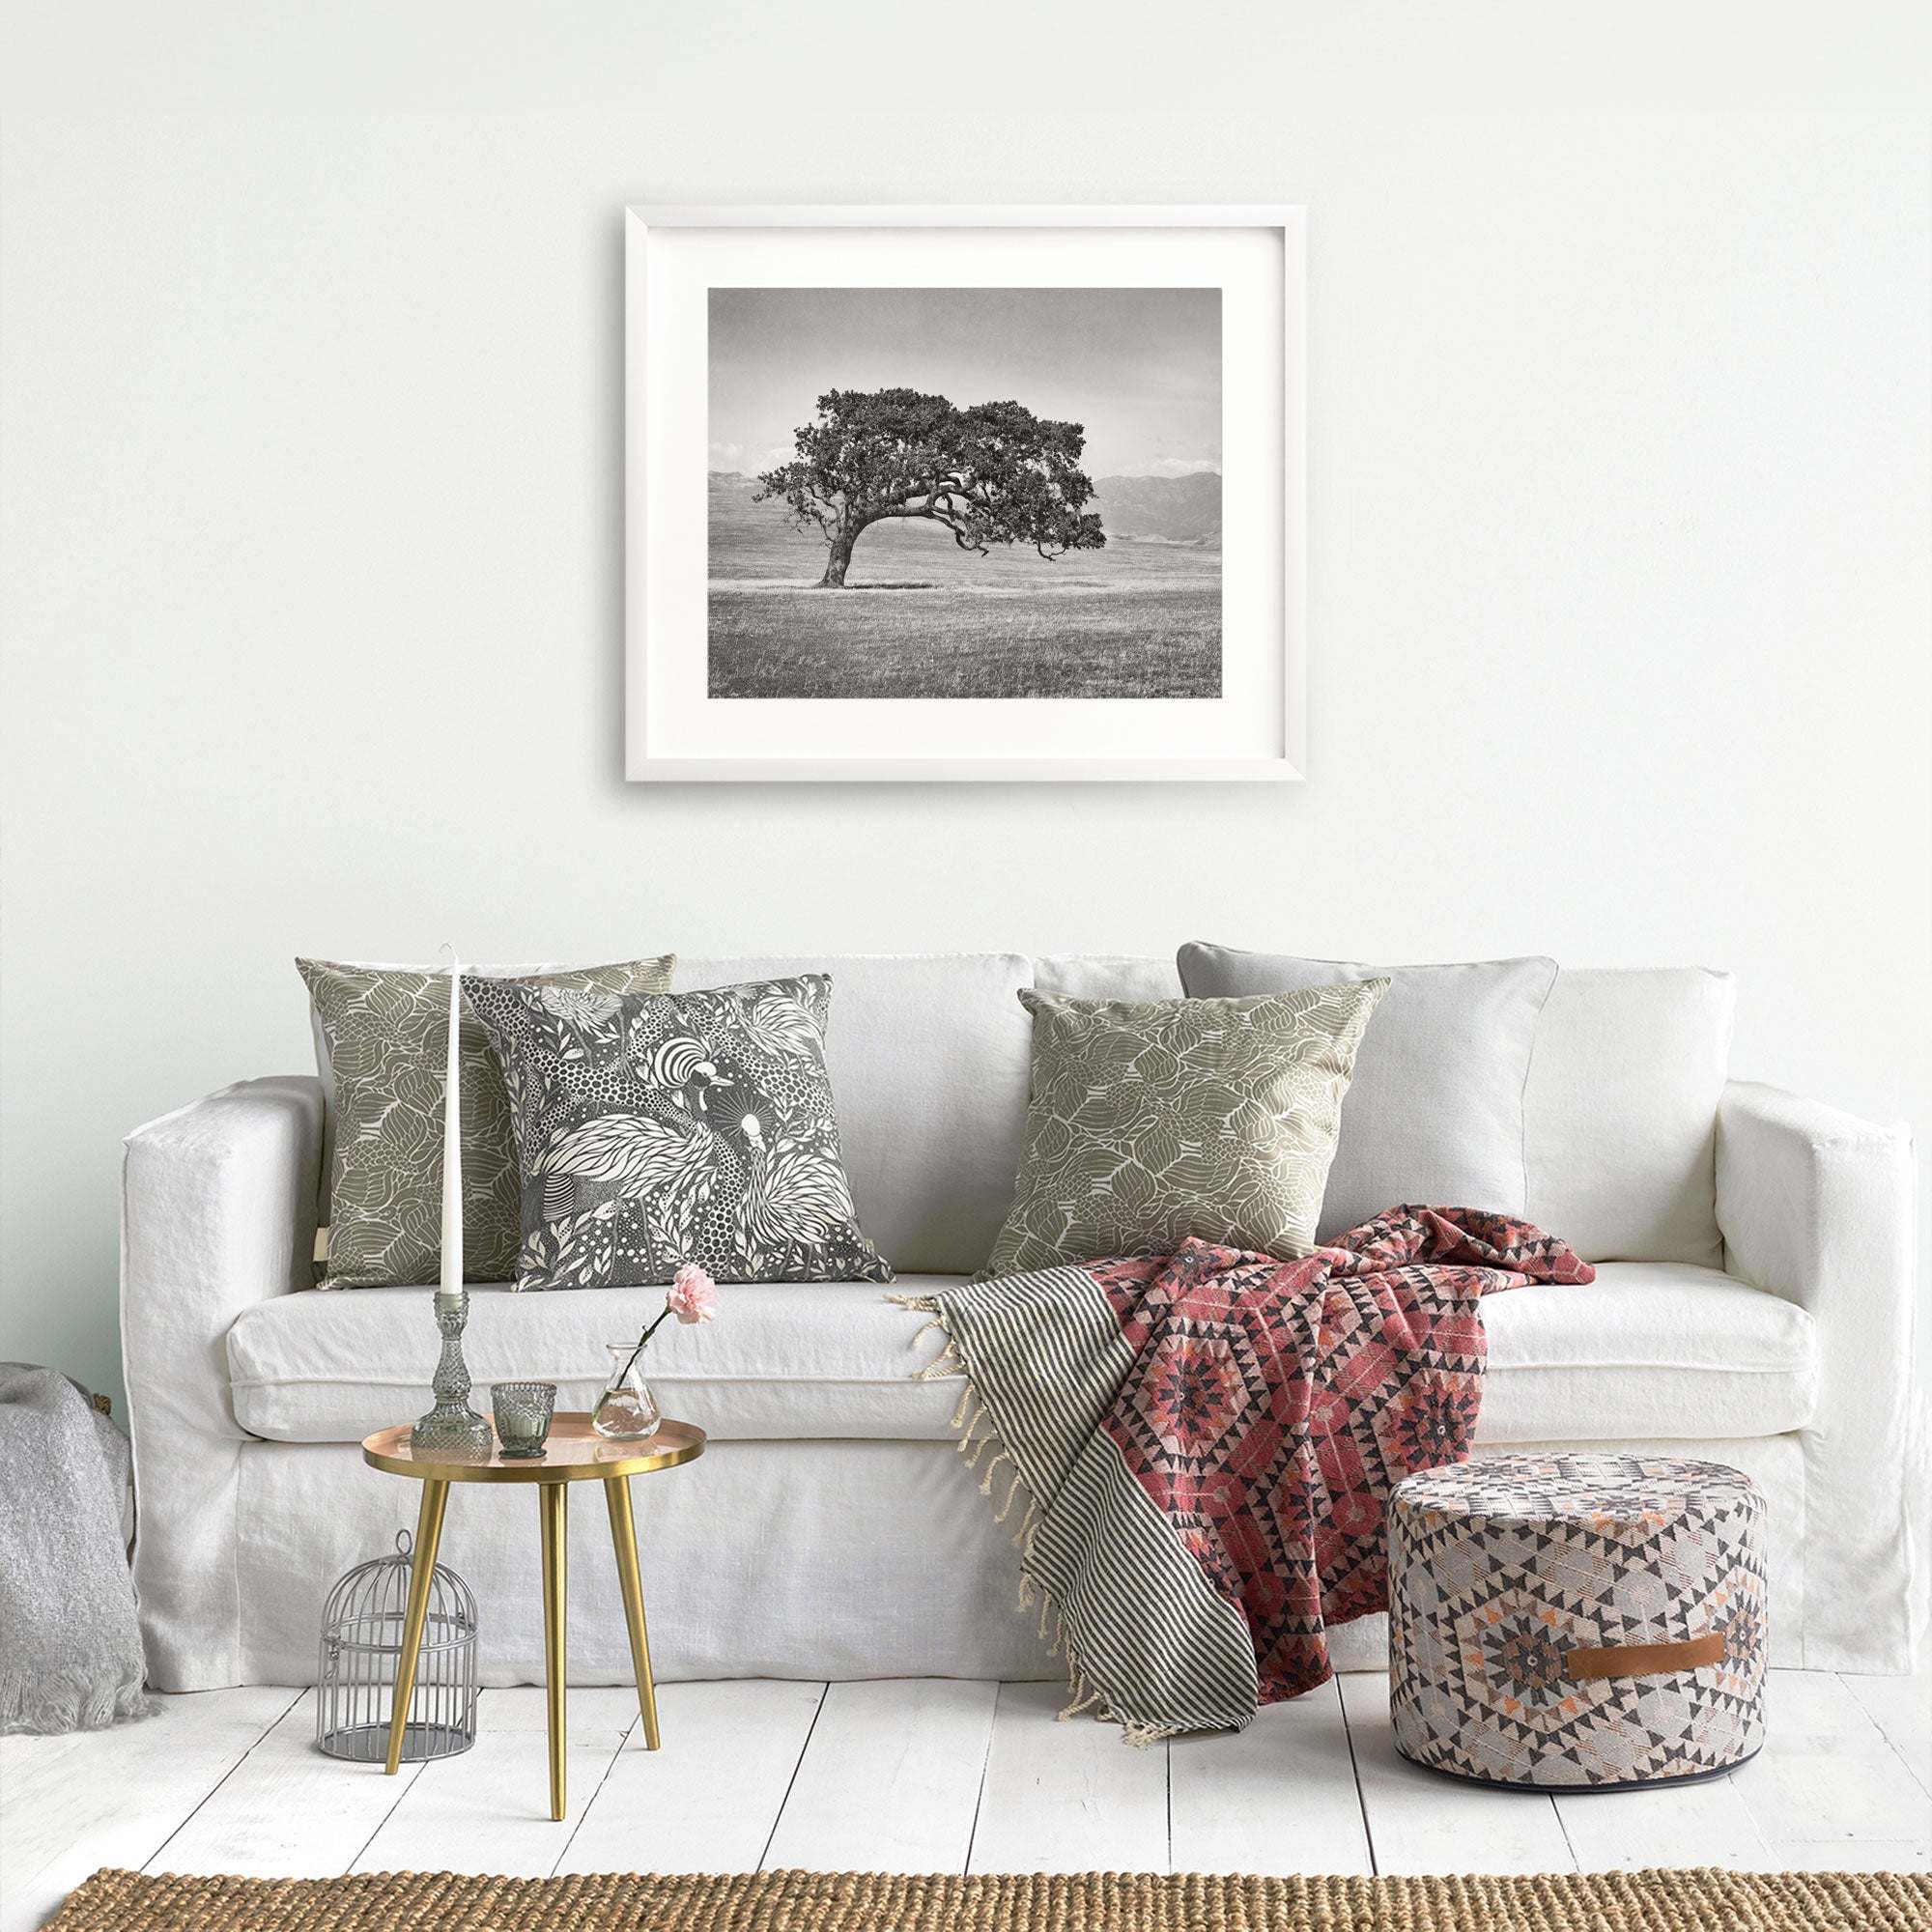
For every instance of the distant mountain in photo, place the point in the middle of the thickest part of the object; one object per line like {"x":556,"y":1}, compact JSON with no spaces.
{"x":1160,"y":509}
{"x":1133,"y":509}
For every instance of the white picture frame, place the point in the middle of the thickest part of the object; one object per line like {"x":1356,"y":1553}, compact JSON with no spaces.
{"x":1252,"y":728}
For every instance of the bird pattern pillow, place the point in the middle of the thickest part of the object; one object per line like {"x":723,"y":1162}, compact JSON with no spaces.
{"x":653,"y":1129}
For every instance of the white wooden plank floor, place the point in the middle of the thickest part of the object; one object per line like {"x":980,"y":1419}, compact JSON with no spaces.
{"x":928,"y":1774}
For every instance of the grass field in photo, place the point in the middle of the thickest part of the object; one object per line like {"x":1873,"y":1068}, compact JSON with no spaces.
{"x":922,"y":618}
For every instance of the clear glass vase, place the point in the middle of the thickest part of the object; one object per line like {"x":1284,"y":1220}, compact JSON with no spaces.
{"x":627,"y":1409}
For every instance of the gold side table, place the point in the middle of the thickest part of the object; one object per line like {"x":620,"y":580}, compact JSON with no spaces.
{"x":574,"y":1454}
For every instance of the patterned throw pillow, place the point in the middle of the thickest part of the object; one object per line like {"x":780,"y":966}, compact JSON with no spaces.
{"x":694,"y":1127}
{"x":1149,"y":1122}
{"x":386,"y":1031}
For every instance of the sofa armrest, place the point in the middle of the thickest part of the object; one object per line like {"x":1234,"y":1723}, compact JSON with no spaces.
{"x":1819,"y":1206}
{"x":217,"y":1211}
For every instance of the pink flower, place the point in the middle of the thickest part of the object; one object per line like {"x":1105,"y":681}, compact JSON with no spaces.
{"x":694,"y":1294}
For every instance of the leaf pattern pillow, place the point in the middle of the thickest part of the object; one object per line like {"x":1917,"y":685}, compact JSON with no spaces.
{"x":684,"y":1127}
{"x":1151,"y":1122}
{"x":385,"y":1031}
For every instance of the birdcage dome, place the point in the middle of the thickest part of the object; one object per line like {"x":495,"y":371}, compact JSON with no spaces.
{"x":361,"y":1645}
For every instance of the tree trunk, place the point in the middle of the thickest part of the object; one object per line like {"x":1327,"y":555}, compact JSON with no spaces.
{"x":839,"y":560}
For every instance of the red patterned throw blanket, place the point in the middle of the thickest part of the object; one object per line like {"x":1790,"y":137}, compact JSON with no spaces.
{"x":1205,"y":1443}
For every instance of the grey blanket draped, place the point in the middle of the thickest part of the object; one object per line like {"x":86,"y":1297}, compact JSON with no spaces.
{"x":70,"y":1656}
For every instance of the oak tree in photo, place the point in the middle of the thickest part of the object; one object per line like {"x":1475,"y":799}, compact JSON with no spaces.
{"x":994,"y":473}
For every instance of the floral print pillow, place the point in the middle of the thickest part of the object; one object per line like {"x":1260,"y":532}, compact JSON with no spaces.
{"x":1150,"y":1122}
{"x":382,"y":1034}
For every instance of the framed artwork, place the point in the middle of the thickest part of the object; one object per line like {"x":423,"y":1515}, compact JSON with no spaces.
{"x":964,"y":493}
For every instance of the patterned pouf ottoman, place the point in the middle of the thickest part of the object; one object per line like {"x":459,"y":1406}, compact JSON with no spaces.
{"x":1587,"y":1621}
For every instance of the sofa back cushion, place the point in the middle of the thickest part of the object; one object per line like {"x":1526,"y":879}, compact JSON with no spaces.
{"x":1621,"y":1110}
{"x":1106,"y":976}
{"x":1434,"y":1113}
{"x":927,"y":1056}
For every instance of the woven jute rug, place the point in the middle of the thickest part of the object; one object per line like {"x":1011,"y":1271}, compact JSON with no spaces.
{"x":788,"y":1901}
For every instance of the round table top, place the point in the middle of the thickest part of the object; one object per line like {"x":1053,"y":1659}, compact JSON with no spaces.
{"x":575,"y":1453}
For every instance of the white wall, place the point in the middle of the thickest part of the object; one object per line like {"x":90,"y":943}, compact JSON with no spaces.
{"x":1619,"y":486}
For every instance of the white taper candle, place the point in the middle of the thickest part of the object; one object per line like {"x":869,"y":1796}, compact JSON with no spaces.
{"x":451,"y":1283}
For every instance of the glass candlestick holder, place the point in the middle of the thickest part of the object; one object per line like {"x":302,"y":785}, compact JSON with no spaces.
{"x":452,"y":1431}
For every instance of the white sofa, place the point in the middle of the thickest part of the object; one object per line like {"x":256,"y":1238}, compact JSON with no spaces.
{"x":1754,"y":1305}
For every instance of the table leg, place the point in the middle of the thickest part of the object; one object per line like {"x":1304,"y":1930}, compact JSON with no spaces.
{"x":422,"y":1570}
{"x":554,"y":1503}
{"x":624,"y":1538}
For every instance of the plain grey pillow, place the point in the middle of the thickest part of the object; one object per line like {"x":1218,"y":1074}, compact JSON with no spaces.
{"x":1434,"y":1115}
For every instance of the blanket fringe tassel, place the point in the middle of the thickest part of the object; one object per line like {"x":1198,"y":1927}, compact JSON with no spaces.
{"x":1006,"y":1508}
{"x":947,"y":1362}
{"x":978,"y":1433}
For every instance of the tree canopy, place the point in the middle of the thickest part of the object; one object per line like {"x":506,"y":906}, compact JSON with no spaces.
{"x":994,"y":473}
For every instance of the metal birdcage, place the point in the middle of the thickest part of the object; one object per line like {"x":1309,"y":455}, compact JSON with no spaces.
{"x":361,"y":1644}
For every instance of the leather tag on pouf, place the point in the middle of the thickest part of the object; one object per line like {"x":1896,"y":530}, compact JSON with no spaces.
{"x":1644,"y":1659}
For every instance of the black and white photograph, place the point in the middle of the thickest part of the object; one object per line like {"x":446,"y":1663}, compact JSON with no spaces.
{"x":964,"y":493}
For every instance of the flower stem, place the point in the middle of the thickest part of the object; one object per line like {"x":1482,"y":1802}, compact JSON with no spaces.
{"x":650,"y":1329}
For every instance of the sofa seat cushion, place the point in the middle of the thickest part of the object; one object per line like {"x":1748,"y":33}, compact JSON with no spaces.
{"x":1650,"y":1351}
{"x":782,"y":1359}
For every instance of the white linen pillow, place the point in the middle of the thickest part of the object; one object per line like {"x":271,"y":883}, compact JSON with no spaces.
{"x":1106,"y":976}
{"x":1434,"y":1113}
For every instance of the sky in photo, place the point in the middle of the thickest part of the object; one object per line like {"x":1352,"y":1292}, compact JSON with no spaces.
{"x":1141,"y":368}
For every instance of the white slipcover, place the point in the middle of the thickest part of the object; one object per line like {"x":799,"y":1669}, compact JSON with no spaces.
{"x":1817,"y":1208}
{"x":867,"y":1552}
{"x":760,"y":1559}
{"x":217,"y":1214}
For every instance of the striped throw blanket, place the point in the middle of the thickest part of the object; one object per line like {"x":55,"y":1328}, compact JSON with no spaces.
{"x":1204,"y":1443}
